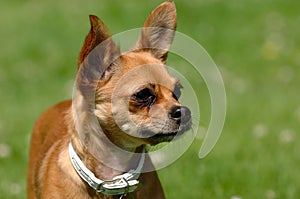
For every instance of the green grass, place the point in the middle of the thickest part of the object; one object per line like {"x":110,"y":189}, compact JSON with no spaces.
{"x":254,"y":43}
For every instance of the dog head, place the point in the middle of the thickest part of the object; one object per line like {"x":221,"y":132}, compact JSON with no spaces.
{"x":133,"y":97}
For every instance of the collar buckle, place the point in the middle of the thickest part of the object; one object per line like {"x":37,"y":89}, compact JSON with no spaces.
{"x":119,"y":185}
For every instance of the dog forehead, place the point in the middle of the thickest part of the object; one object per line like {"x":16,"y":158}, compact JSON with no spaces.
{"x":140,"y":69}
{"x":134,"y":59}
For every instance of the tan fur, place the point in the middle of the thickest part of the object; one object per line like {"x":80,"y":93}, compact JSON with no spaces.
{"x":104,"y":106}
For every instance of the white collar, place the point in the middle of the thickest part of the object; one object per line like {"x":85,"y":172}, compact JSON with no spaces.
{"x":119,"y":185}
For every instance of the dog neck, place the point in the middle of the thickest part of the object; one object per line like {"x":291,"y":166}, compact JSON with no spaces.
{"x":119,"y":185}
{"x":109,"y":163}
{"x":105,"y":159}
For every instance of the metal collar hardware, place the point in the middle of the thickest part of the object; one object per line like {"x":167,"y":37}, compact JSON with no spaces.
{"x":119,"y":185}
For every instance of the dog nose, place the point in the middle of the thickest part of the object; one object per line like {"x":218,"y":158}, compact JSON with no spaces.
{"x":180,"y":114}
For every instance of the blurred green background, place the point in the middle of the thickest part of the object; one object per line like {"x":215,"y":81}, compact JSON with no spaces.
{"x":255,"y":45}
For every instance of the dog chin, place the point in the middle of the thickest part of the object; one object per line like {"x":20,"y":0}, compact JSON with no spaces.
{"x":163,"y":137}
{"x":156,"y":138}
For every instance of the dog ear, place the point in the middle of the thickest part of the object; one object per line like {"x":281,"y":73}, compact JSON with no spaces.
{"x":158,"y":31}
{"x":98,"y":57}
{"x":98,"y":33}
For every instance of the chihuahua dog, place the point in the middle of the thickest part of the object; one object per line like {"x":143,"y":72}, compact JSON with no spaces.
{"x":94,"y":145}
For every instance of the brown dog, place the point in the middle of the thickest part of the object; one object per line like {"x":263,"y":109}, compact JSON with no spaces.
{"x":94,"y":145}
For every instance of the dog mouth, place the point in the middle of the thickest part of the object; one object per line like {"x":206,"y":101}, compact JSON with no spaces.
{"x":163,"y":137}
{"x":169,"y":136}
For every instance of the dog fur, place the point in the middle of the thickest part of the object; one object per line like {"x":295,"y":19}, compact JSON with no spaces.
{"x":115,"y":93}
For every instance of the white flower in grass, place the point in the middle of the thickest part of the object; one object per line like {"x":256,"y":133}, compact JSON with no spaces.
{"x":260,"y":130}
{"x":5,"y":150}
{"x":270,"y":194}
{"x":235,"y":197}
{"x":15,"y":188}
{"x":287,"y":136}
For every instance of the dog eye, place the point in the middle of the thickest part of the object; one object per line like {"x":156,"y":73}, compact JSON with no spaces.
{"x":177,"y":91}
{"x":145,"y":97}
{"x":144,"y":94}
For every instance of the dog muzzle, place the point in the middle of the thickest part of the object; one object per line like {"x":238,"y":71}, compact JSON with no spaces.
{"x":119,"y":185}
